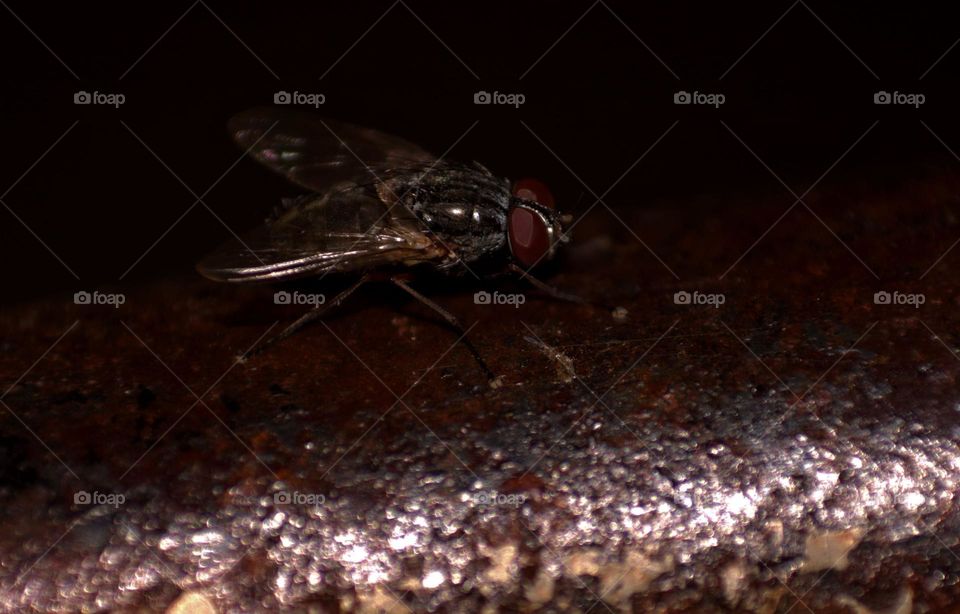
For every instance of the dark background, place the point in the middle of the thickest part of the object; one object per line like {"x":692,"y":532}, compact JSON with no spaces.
{"x":799,"y":98}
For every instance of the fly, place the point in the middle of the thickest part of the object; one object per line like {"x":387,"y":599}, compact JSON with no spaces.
{"x":380,"y":207}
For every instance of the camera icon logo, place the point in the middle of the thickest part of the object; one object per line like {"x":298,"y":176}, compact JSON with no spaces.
{"x":881,"y":298}
{"x":281,"y":97}
{"x":882,"y":97}
{"x":482,"y":97}
{"x":282,"y":297}
{"x":681,"y":298}
{"x":482,"y":298}
{"x":81,"y":298}
{"x":682,"y":97}
{"x":82,"y":97}
{"x":281,"y":498}
{"x":81,"y":497}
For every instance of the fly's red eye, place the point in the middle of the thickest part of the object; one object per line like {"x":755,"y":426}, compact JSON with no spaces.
{"x":529,"y":239}
{"x":531,"y":189}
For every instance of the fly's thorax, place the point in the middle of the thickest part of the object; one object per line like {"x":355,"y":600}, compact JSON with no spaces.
{"x":465,"y":210}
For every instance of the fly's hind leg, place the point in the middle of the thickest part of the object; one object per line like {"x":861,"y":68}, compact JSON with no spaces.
{"x":451,"y":319}
{"x":618,"y":313}
{"x":314,"y":314}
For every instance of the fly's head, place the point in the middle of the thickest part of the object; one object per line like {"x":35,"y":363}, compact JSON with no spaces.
{"x":534,"y":228}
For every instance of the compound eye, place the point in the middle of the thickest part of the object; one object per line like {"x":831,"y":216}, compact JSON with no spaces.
{"x":528,"y":235}
{"x":537,"y":191}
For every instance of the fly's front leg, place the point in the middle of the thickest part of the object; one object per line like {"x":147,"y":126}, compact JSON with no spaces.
{"x":314,"y":314}
{"x":618,"y":313}
{"x":494,"y":381}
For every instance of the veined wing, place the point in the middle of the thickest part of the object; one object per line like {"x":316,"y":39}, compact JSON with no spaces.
{"x":317,"y":153}
{"x":347,"y":229}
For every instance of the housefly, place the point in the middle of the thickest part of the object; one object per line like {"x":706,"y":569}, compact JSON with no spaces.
{"x":380,"y":207}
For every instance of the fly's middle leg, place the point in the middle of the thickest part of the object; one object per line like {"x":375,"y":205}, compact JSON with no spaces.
{"x":493,"y":380}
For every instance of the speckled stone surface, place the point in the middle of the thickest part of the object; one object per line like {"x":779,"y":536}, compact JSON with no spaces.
{"x":796,"y":448}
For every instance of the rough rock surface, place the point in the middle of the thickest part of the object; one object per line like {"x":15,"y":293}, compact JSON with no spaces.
{"x":795,"y":448}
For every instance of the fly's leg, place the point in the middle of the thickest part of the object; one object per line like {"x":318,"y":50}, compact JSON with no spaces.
{"x":618,"y":313}
{"x":314,"y":314}
{"x":494,"y":381}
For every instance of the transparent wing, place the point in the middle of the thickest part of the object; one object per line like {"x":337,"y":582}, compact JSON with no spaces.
{"x":316,"y":153}
{"x":347,"y":229}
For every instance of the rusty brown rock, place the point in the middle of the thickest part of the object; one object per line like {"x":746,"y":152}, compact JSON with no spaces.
{"x":731,"y":453}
